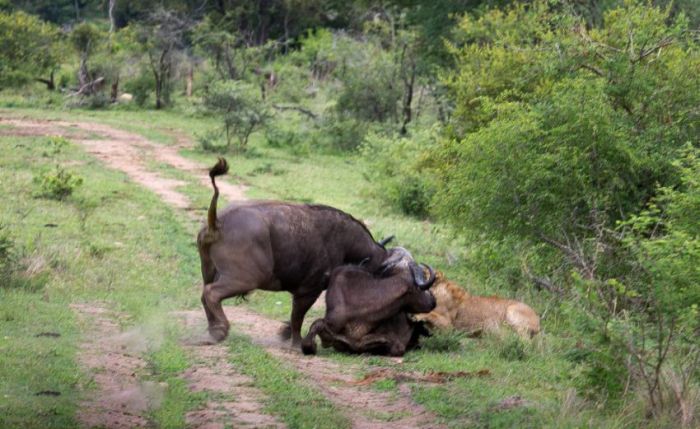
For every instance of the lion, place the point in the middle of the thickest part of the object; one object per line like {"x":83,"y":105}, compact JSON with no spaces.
{"x":456,"y":308}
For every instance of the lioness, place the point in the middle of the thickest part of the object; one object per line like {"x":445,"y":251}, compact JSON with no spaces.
{"x":458,"y":309}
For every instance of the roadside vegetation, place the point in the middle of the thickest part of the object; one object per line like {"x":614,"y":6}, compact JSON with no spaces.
{"x":545,"y":151}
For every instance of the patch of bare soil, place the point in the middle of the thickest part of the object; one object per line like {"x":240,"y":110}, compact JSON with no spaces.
{"x":235,"y":401}
{"x":366,"y":408}
{"x":437,"y":377}
{"x":119,"y":400}
{"x":127,"y":152}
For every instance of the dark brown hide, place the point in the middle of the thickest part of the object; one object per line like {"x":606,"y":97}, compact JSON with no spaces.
{"x":277,"y":246}
{"x":369,"y":314}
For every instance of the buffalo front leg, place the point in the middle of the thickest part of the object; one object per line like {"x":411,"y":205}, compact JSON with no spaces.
{"x":300,"y":305}
{"x":380,"y":344}
{"x":308,"y":345}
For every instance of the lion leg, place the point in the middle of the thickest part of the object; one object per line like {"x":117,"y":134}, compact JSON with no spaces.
{"x":523,"y":319}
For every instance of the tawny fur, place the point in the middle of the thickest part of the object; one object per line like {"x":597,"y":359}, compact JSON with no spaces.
{"x":458,"y":309}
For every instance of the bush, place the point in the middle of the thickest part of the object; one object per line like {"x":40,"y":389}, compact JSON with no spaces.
{"x":278,"y":137}
{"x":370,"y":90}
{"x":141,"y":87}
{"x":57,"y":183}
{"x":56,"y":145}
{"x":341,"y":133}
{"x":240,"y":107}
{"x":30,"y":49}
{"x":211,"y":141}
{"x":569,"y":143}
{"x":401,"y":171}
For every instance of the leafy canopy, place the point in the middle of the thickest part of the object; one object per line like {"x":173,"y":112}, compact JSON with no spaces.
{"x":29,"y":48}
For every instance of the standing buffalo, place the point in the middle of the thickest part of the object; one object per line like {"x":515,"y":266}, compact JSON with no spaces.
{"x":366,"y":313}
{"x":276,"y":246}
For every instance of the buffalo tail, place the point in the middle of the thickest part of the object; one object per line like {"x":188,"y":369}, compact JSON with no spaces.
{"x":219,"y":169}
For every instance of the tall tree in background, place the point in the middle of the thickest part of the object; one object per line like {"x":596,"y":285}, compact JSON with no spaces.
{"x":162,"y":37}
{"x":86,"y":39}
{"x":30,"y":50}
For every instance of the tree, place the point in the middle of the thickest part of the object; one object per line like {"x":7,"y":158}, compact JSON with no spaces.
{"x":116,"y":54}
{"x":162,"y":38}
{"x":562,"y":140}
{"x":241,"y":109}
{"x":557,"y":129}
{"x":30,"y":49}
{"x":86,"y":39}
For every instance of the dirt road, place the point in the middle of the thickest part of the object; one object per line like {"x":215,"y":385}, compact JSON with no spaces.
{"x":211,"y":370}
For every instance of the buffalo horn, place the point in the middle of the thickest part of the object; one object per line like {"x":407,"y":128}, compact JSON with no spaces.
{"x":419,"y":276}
{"x":384,"y":241}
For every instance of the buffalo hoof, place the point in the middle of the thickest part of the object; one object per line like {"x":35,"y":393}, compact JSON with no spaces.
{"x":285,"y":332}
{"x":308,"y":347}
{"x":202,"y":340}
{"x":218,"y":333}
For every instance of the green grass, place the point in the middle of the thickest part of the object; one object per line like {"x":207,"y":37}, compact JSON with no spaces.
{"x":298,"y":404}
{"x":30,"y":364}
{"x":166,"y":364}
{"x":110,"y":242}
{"x":139,"y":256}
{"x":116,"y":244}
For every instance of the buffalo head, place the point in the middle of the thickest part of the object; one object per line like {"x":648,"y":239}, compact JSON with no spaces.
{"x":400,"y":262}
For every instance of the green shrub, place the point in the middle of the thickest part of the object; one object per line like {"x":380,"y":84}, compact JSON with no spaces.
{"x":57,"y":183}
{"x":568,"y":142}
{"x":340,"y":133}
{"x":56,"y":145}
{"x":282,"y":137}
{"x":241,"y":109}
{"x":141,"y":87}
{"x":401,"y":171}
{"x":30,"y":49}
{"x":211,"y":141}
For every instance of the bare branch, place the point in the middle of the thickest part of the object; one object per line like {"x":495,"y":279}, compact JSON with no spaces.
{"x":646,"y":52}
{"x":299,"y":109}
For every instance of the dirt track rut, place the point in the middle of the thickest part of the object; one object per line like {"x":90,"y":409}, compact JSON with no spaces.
{"x":366,"y":408}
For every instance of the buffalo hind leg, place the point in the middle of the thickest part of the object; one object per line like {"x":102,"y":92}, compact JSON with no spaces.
{"x":212,"y":296}
{"x":300,"y":305}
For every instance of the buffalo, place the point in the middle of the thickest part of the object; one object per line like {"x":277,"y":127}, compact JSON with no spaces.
{"x":276,"y":246}
{"x":369,"y":313}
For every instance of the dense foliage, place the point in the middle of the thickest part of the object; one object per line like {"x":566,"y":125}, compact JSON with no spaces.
{"x":30,"y":50}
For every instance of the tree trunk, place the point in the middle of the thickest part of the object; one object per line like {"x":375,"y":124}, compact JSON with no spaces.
{"x":286,"y":28}
{"x":112,"y":4}
{"x":84,"y":80}
{"x":159,"y":91}
{"x":115,"y":90}
{"x":188,"y":84}
{"x":50,"y":83}
{"x":408,"y":98}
